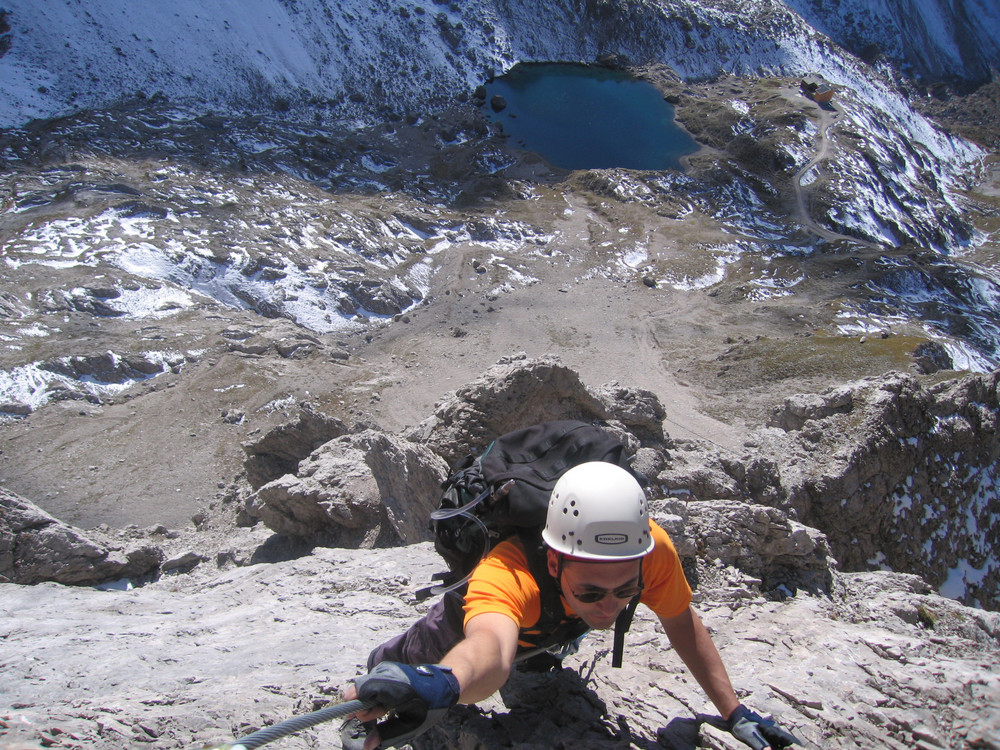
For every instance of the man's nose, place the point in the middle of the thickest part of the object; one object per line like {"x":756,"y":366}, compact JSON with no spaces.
{"x":611,"y":605}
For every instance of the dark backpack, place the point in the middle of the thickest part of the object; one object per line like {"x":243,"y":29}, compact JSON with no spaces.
{"x":505,"y":491}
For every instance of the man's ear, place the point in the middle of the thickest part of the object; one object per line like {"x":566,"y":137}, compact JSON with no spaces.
{"x":552,"y":559}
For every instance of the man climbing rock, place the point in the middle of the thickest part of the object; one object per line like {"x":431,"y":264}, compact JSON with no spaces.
{"x":601,"y":553}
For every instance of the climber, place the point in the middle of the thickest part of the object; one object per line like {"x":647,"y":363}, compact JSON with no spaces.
{"x":600,"y":551}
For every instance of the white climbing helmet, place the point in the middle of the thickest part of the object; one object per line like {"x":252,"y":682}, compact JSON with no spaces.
{"x":597,"y":511}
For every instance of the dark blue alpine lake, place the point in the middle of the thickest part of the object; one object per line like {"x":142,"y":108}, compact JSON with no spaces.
{"x":587,"y":117}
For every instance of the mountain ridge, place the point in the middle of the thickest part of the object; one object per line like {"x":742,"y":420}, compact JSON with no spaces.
{"x":294,"y":52}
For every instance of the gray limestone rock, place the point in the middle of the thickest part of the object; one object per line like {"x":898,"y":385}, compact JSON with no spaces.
{"x":367,"y":489}
{"x":761,"y":542}
{"x":519,"y":391}
{"x":800,"y":408}
{"x":36,"y":547}
{"x":896,"y":475}
{"x":279,"y":451}
{"x":198,"y":659}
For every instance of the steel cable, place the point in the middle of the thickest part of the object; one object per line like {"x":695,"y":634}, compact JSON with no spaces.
{"x":298,"y":723}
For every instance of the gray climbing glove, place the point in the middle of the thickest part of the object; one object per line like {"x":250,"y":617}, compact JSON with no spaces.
{"x":418,"y":696}
{"x":758,"y":732}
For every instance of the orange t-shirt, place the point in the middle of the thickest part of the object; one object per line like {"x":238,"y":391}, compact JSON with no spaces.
{"x":502,"y":583}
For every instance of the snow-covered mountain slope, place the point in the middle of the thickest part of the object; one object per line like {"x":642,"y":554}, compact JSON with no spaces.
{"x":368,"y":56}
{"x":935,"y":40}
{"x":367,"y":61}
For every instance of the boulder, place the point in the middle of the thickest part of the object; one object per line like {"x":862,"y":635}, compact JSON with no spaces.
{"x":637,"y":409}
{"x":762,"y":542}
{"x":382,"y":297}
{"x":280,"y":449}
{"x":367,"y":489}
{"x":107,"y":367}
{"x":36,"y":547}
{"x":799,"y":409}
{"x":518,"y":392}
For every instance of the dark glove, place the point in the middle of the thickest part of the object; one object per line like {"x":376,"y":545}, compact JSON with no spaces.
{"x":758,"y":732}
{"x":419,"y":696}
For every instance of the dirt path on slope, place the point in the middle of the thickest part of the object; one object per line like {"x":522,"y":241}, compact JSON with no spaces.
{"x":829,"y":114}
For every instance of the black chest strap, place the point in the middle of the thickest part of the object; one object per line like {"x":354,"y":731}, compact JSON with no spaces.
{"x":622,"y":624}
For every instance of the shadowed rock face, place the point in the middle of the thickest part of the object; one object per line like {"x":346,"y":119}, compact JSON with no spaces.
{"x":866,"y":33}
{"x":894,"y":473}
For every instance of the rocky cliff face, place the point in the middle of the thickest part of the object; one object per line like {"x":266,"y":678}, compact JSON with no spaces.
{"x":898,"y":475}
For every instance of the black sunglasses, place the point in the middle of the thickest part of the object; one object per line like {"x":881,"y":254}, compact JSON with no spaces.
{"x":593,"y":596}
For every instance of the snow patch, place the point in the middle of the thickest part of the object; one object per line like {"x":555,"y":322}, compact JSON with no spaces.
{"x":32,"y":386}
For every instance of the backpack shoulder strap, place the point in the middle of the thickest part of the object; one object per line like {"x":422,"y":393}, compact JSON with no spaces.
{"x":622,"y":624}
{"x":550,"y":600}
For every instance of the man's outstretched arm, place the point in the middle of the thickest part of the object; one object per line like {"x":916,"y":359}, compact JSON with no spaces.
{"x":483,"y":659}
{"x":693,"y":644}
{"x":474,"y":669}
